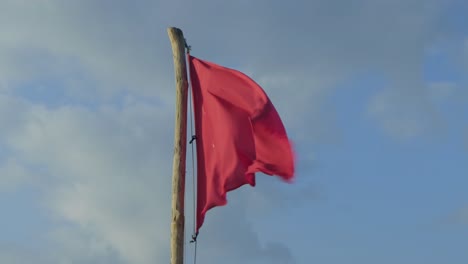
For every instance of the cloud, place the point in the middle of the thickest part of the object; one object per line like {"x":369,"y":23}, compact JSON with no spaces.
{"x":404,"y":114}
{"x":108,"y":184}
{"x":107,"y":169}
{"x":13,"y":175}
{"x":113,"y":51}
{"x":323,"y":43}
{"x":227,"y":245}
{"x":99,"y":126}
{"x":19,"y":255}
{"x":81,"y":246}
{"x":105,"y":46}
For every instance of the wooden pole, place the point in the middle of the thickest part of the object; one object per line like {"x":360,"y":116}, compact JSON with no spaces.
{"x":180,"y":143}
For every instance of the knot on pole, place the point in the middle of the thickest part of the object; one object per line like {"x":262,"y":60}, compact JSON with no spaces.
{"x":194,"y":137}
{"x":194,"y":238}
{"x":188,"y":47}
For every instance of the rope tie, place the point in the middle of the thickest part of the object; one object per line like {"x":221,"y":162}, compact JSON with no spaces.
{"x":189,"y":48}
{"x":193,"y":139}
{"x":194,"y":238}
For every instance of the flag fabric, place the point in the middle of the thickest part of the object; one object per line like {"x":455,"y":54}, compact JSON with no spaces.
{"x":238,"y":133}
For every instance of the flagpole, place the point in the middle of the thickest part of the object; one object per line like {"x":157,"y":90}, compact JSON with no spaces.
{"x":180,"y":143}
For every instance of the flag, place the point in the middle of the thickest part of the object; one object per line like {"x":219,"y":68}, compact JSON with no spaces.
{"x":238,"y":133}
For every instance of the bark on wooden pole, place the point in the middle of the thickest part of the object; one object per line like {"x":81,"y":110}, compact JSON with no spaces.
{"x":180,"y":143}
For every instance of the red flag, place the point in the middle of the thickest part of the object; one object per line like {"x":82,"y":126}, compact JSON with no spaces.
{"x":238,"y":133}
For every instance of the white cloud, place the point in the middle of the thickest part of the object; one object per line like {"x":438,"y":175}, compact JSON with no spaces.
{"x":106,"y":169}
{"x":405,"y":114}
{"x":13,"y":175}
{"x":19,"y":255}
{"x":111,"y":47}
{"x":225,"y":248}
{"x":105,"y":45}
{"x":108,"y":185}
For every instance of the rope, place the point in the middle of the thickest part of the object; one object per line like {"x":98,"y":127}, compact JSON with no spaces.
{"x":194,"y":137}
{"x":193,"y":166}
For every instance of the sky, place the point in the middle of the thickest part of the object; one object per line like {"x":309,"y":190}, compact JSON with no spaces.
{"x":373,"y":93}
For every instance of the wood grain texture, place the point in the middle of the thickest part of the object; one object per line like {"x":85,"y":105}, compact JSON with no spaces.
{"x":180,"y":144}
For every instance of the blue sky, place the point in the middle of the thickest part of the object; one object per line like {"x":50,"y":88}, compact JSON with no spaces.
{"x":373,"y":93}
